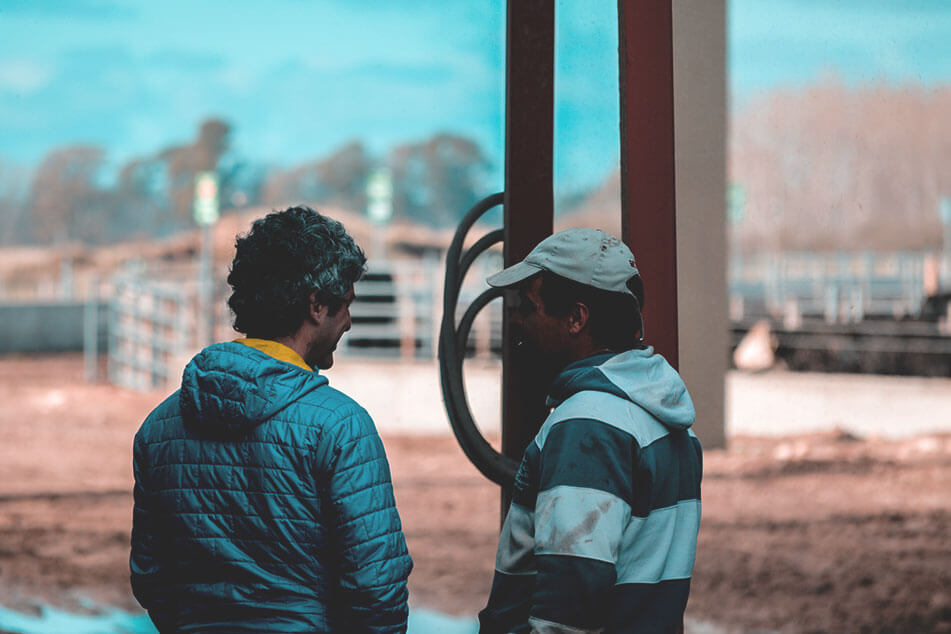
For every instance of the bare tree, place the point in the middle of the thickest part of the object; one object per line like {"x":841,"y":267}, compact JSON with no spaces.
{"x":436,"y":181}
{"x":833,"y":167}
{"x":65,"y":199}
{"x":339,"y":179}
{"x":141,"y":203}
{"x":13,"y":204}
{"x":183,"y":162}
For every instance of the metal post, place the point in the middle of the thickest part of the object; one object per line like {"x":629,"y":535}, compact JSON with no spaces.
{"x":205,"y":313}
{"x":944,"y":210}
{"x":67,"y":281}
{"x":206,"y":212}
{"x":529,"y":203}
{"x":648,"y":221}
{"x":113,"y":341}
{"x":91,"y":330}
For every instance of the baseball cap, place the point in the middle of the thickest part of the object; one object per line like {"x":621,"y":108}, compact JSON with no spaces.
{"x":588,"y":256}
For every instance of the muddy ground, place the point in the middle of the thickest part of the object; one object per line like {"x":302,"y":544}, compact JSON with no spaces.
{"x":817,"y":533}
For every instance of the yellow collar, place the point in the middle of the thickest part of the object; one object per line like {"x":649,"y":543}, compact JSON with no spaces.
{"x":277,"y":350}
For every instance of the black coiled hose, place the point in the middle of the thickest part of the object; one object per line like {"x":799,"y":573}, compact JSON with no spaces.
{"x":452,"y":345}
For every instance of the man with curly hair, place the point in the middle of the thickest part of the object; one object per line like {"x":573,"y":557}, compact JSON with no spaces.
{"x":263,"y":500}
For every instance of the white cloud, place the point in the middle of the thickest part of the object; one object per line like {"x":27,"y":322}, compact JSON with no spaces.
{"x":238,"y":78}
{"x":23,"y":75}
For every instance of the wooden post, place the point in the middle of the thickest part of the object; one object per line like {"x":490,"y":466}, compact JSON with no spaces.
{"x":648,"y":221}
{"x":529,"y":200}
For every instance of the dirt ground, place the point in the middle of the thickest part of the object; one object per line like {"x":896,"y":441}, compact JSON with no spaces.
{"x":817,"y":533}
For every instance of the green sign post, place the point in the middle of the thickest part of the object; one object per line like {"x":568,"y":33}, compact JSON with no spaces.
{"x":736,"y":203}
{"x":735,"y":214}
{"x":206,"y":214}
{"x":379,"y":188}
{"x":380,"y":195}
{"x":206,"y":198}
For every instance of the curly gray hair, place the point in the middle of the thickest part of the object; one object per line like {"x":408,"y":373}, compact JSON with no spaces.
{"x":284,"y":259}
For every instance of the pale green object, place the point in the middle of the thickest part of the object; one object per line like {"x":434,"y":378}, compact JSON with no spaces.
{"x":944,"y":210}
{"x":736,"y":203}
{"x":206,"y":198}
{"x":380,"y":195}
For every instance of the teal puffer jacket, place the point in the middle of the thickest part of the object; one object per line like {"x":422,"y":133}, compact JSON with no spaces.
{"x":263,"y":503}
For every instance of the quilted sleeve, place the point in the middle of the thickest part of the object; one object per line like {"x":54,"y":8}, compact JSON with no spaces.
{"x":144,"y":565}
{"x":374,"y":561}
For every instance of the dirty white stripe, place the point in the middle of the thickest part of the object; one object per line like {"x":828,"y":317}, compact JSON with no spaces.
{"x":580,"y":522}
{"x":541,"y":626}
{"x":516,"y":553}
{"x":661,"y":546}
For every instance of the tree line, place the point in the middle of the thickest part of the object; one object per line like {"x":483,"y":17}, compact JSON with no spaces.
{"x":830,"y":167}
{"x":823,"y":167}
{"x":69,"y":197}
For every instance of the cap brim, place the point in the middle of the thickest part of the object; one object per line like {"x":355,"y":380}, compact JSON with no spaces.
{"x":513,"y":275}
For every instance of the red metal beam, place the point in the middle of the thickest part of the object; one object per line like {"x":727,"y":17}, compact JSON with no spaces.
{"x":648,"y":221}
{"x":529,"y":202}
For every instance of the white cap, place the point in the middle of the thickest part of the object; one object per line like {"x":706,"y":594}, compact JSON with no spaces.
{"x":588,"y":256}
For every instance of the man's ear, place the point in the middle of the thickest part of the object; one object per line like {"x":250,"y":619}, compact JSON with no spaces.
{"x":315,"y":312}
{"x":578,"y":318}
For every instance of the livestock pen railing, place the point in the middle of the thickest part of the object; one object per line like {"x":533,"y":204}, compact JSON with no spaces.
{"x":839,"y":287}
{"x":153,"y":318}
{"x":151,"y":330}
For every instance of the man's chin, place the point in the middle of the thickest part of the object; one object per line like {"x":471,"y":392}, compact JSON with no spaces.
{"x":525,"y":348}
{"x":325,"y":362}
{"x":528,"y":353}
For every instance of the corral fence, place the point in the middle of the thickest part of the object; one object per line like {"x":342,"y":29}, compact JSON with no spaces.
{"x":839,"y":287}
{"x":153,"y":318}
{"x":152,"y":327}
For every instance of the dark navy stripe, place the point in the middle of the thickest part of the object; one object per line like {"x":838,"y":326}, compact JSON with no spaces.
{"x":596,"y":455}
{"x":655,"y":608}
{"x":525,"y":489}
{"x":566,"y":386}
{"x":573,"y":590}
{"x":591,"y":454}
{"x":668,"y":471}
{"x":509,"y":603}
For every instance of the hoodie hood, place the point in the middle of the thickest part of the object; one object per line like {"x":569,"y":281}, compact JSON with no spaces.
{"x":639,"y":376}
{"x":228,"y":389}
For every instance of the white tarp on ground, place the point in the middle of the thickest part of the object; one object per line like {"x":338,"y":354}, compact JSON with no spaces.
{"x":786,"y":403}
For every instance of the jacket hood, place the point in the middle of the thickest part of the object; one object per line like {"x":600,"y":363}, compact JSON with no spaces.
{"x":639,"y":376}
{"x":230,"y":388}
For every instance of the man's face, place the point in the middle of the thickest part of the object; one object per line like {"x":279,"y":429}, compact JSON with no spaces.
{"x":330,"y":330}
{"x":536,"y":333}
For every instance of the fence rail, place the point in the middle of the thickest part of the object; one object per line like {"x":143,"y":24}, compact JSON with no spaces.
{"x":151,"y":330}
{"x":153,"y":319}
{"x":839,"y":287}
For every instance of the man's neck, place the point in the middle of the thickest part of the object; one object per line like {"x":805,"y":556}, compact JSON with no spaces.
{"x":584,"y":348}
{"x":298,"y":342}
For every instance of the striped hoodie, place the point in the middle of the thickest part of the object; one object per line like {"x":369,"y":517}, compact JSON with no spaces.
{"x":601,"y":535}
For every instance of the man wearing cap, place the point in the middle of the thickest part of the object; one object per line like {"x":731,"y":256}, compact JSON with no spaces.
{"x":601,"y":534}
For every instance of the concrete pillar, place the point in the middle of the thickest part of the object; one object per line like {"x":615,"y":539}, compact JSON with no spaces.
{"x":700,"y":134}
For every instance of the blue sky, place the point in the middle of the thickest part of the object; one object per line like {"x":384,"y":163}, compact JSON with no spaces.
{"x":298,"y":78}
{"x":794,"y":42}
